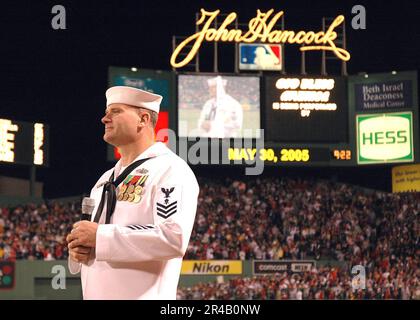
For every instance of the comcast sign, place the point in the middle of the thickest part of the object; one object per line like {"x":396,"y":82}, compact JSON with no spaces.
{"x":386,"y":137}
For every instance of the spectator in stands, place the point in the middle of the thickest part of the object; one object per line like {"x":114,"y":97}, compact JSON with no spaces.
{"x":295,"y":218}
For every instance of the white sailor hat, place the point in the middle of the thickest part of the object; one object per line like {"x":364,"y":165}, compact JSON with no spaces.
{"x":133,"y":97}
{"x":215,"y":80}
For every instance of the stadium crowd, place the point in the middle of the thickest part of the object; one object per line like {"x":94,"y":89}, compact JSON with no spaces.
{"x":318,"y":284}
{"x":36,"y":232}
{"x":299,"y":219}
{"x":302,"y":219}
{"x":269,"y":218}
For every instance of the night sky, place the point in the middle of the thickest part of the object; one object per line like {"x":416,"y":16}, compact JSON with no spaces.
{"x":59,"y":77}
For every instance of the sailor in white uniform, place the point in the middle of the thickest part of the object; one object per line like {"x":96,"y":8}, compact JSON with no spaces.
{"x":221,"y":115}
{"x":144,"y":209}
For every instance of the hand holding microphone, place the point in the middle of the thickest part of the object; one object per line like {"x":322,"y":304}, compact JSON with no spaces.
{"x":83,"y":235}
{"x":88,"y":204}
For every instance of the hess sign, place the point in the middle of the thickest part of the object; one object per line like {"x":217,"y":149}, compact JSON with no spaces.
{"x":386,"y":137}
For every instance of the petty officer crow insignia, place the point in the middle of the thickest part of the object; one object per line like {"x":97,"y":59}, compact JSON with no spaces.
{"x":132,"y":188}
{"x":167,"y":201}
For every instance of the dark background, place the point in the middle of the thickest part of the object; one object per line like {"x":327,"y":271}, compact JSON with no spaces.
{"x":319,"y":126}
{"x":59,"y":76}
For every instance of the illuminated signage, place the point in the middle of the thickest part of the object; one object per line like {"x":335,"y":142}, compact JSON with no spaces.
{"x":278,"y":155}
{"x":38,"y":143}
{"x":305,"y":109}
{"x":254,"y":152}
{"x":386,"y":137}
{"x":211,"y":267}
{"x":218,"y":106}
{"x":260,"y":56}
{"x":7,"y":140}
{"x":305,"y":95}
{"x":269,"y":154}
{"x":342,"y":154}
{"x":23,"y":143}
{"x":260,"y":29}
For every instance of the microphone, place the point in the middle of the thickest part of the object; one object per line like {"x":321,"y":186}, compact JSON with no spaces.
{"x":88,"y":204}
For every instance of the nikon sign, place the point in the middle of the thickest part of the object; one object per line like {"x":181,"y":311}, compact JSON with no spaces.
{"x":211,"y":267}
{"x":385,"y":138}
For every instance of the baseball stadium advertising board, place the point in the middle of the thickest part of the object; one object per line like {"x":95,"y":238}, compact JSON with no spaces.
{"x":386,"y":137}
{"x":262,"y":28}
{"x":383,"y":92}
{"x":211,"y":267}
{"x":384,"y":108}
{"x":260,"y":267}
{"x":406,"y":178}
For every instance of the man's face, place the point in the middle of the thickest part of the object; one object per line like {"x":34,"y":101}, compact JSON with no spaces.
{"x":121,"y":124}
{"x":212,"y":91}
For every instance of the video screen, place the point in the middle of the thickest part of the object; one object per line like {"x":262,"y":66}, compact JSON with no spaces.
{"x":218,"y":106}
{"x":306,"y":109}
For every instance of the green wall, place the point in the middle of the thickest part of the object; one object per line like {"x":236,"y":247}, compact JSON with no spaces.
{"x":33,"y":280}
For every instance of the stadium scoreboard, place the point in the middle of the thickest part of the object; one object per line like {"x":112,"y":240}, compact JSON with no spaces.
{"x":291,"y":155}
{"x":288,"y":120}
{"x":24,"y":143}
{"x":275,"y":154}
{"x":306,"y":109}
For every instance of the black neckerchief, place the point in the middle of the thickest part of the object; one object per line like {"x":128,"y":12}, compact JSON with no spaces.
{"x":109,"y":189}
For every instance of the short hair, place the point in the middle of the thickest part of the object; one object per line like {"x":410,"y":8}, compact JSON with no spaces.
{"x":153,"y":115}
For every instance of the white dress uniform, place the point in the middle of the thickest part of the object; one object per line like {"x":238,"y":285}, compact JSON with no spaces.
{"x":139,"y":254}
{"x":225,"y":116}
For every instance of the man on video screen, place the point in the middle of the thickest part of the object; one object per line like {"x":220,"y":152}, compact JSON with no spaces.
{"x":221,"y":115}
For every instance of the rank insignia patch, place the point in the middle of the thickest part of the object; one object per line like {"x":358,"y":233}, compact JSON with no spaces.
{"x":132,"y":188}
{"x":167,"y":203}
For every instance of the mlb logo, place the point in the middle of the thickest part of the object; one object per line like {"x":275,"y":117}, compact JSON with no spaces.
{"x":258,"y":56}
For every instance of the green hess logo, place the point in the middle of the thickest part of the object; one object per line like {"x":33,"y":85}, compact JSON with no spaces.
{"x":386,"y":137}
